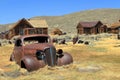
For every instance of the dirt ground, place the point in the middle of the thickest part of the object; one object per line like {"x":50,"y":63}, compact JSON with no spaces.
{"x":98,"y":61}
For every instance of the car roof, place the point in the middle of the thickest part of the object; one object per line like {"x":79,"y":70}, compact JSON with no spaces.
{"x":33,"y":35}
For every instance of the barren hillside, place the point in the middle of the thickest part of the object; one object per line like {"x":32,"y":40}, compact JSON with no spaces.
{"x":68,"y":22}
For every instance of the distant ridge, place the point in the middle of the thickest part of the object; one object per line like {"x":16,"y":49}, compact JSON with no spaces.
{"x":68,"y":22}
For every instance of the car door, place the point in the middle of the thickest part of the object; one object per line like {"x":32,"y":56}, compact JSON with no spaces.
{"x":18,"y":51}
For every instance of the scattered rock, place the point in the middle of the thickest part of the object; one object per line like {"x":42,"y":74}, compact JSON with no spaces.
{"x":51,"y":68}
{"x":80,"y":41}
{"x":2,"y":73}
{"x":86,"y":43}
{"x":58,"y":77}
{"x":89,"y":69}
{"x":23,"y":71}
{"x":13,"y":74}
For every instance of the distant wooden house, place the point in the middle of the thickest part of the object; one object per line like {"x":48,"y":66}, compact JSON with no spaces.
{"x":114,"y":28}
{"x":56,"y":31}
{"x":26,"y":27}
{"x":91,"y":27}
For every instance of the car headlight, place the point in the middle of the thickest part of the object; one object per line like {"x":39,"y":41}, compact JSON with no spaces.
{"x":40,"y":55}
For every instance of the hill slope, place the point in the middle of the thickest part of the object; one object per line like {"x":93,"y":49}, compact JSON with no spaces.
{"x":69,"y":22}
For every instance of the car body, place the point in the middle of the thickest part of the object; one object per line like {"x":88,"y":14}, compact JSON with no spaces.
{"x":35,"y":51}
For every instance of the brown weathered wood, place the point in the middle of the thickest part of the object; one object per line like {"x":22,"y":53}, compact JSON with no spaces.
{"x":23,"y":27}
{"x":91,"y":27}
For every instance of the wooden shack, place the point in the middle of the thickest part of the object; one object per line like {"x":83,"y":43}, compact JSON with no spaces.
{"x":114,"y":28}
{"x":26,"y":27}
{"x":91,"y":27}
{"x":56,"y":31}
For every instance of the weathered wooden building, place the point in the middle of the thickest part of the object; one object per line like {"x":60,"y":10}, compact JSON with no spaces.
{"x":91,"y":27}
{"x":26,"y":27}
{"x":114,"y":28}
{"x":56,"y":31}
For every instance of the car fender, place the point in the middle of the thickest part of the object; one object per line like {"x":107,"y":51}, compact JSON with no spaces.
{"x":65,"y":59}
{"x":31,"y":63}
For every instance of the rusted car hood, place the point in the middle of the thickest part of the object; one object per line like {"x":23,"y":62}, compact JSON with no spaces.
{"x":40,"y":46}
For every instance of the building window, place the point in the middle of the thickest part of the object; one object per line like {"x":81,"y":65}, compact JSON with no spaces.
{"x":21,"y":32}
{"x":31,"y":31}
{"x":87,"y":30}
{"x":39,"y":31}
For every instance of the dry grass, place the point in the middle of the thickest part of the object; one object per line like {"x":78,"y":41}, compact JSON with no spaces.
{"x":104,"y":54}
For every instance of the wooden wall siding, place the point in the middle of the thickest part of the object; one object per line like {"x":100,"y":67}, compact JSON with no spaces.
{"x":104,"y":29}
{"x":113,"y":30}
{"x":45,"y":30}
{"x":87,"y":30}
{"x":98,"y":28}
{"x":28,"y":31}
{"x":109,"y":30}
{"x":18,"y":30}
{"x":80,"y":30}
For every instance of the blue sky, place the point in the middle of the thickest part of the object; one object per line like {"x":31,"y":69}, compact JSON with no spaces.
{"x":13,"y":10}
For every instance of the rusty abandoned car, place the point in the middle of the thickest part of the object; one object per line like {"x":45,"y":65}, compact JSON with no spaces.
{"x":35,"y":51}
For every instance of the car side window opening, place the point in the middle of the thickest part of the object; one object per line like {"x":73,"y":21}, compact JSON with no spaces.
{"x":18,"y":43}
{"x":43,"y":40}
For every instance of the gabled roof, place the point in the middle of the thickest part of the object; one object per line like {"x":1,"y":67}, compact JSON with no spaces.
{"x":35,"y":23}
{"x":115,"y":25}
{"x":88,"y":24}
{"x":18,"y":22}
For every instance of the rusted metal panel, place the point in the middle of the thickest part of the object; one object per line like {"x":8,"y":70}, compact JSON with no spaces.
{"x":50,"y":53}
{"x":65,"y":59}
{"x":31,"y":63}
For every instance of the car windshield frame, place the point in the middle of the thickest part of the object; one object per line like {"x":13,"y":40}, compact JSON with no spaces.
{"x":36,"y":40}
